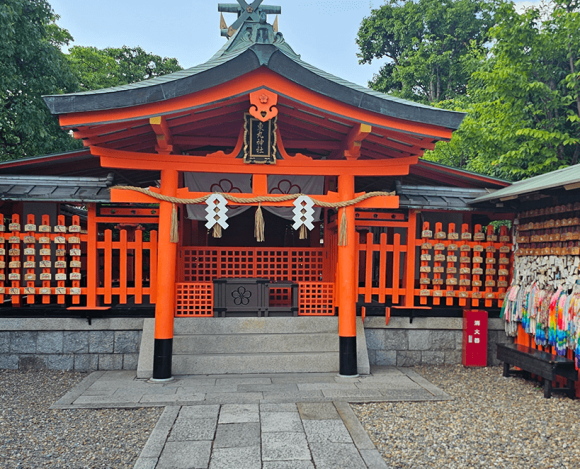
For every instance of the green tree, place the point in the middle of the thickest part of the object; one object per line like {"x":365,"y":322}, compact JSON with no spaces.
{"x":31,"y":65}
{"x":103,"y":68}
{"x":428,"y":45}
{"x":524,"y":103}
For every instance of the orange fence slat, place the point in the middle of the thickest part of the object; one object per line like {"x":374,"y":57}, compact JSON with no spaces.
{"x":123,"y":266}
{"x":138,"y":256}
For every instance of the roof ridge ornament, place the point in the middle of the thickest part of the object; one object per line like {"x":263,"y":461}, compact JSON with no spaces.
{"x":256,"y":15}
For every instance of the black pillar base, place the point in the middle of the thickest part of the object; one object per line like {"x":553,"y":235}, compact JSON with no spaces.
{"x":162,"y":354}
{"x":347,"y":356}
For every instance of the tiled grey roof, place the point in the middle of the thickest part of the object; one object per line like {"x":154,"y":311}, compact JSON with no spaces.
{"x":236,"y":59}
{"x":55,"y":188}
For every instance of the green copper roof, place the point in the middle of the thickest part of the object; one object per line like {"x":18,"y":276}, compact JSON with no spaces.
{"x":554,"y":180}
{"x":253,"y":45}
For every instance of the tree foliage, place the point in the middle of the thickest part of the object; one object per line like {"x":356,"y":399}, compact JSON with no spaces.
{"x":102,"y":68}
{"x":31,"y":65}
{"x":523,"y":103}
{"x":429,"y":45}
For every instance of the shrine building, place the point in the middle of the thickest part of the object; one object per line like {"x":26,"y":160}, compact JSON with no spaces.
{"x":252,"y":187}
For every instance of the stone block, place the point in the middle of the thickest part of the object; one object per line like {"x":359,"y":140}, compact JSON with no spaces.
{"x":452,"y":357}
{"x":126,"y":342}
{"x":4,"y":342}
{"x":432,"y":358}
{"x":76,"y":342}
{"x":101,"y":341}
{"x":93,"y":362}
{"x":32,"y":362}
{"x":326,"y":431}
{"x":386,"y":358}
{"x":332,"y":455}
{"x":284,"y":446}
{"x":237,"y":435}
{"x":281,"y":422}
{"x":287,"y":465}
{"x":110,"y":362}
{"x":375,"y":339}
{"x":49,"y":342}
{"x":8,"y":362}
{"x":239,"y":413}
{"x":408,"y":358}
{"x":458,"y":340}
{"x":130,"y":361}
{"x":238,"y":458}
{"x":185,"y":454}
{"x":82,"y":362}
{"x":318,"y":411}
{"x":23,"y":342}
{"x":193,"y":429}
{"x":61,"y":362}
{"x":420,"y":340}
{"x":396,"y":340}
{"x":278,"y":408}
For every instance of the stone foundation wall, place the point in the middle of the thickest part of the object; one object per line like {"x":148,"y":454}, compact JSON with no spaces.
{"x":70,"y":344}
{"x":425,"y":341}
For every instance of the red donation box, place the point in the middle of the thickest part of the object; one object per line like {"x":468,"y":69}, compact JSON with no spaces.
{"x":474,"y":338}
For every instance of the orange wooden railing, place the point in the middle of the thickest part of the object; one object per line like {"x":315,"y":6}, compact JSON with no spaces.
{"x":387,"y":272}
{"x":204,"y":264}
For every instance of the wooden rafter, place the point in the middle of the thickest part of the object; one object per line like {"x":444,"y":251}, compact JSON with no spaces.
{"x":353,"y":141}
{"x":163,"y":134}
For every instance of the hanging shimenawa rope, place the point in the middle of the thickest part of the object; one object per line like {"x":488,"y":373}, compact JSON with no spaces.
{"x":253,"y":200}
{"x":259,"y":225}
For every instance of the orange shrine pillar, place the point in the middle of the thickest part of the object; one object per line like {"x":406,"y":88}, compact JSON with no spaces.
{"x":347,"y":284}
{"x":166,"y":263}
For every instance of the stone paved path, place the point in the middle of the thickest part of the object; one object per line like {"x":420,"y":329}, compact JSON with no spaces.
{"x":276,"y":421}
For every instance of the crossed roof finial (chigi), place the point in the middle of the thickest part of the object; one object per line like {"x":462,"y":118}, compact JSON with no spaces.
{"x":247,"y":12}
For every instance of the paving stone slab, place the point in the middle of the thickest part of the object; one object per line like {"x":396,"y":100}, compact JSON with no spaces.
{"x":317,"y":386}
{"x":236,"y":458}
{"x":358,"y":434}
{"x":278,"y":407}
{"x":373,"y":459}
{"x":237,"y":380}
{"x":193,"y":381}
{"x":320,"y":431}
{"x":336,"y":456}
{"x":288,"y":465}
{"x":207,"y":389}
{"x":286,"y":387}
{"x":234,"y":398}
{"x":359,"y":393}
{"x":156,"y":441}
{"x":172,"y":399}
{"x":285,"y":446}
{"x":281,"y":422}
{"x":327,"y":378}
{"x":107,"y":400}
{"x":186,"y":429}
{"x":146,"y":463}
{"x":318,"y":411}
{"x":239,"y":413}
{"x":407,"y":394}
{"x":200,"y":412}
{"x":185,"y":455}
{"x":237,"y":435}
{"x":296,"y":396}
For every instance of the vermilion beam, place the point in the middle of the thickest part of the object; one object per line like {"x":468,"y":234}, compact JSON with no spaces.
{"x":111,"y":158}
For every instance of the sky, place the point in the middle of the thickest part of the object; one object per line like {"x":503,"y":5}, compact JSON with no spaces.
{"x":323,"y":32}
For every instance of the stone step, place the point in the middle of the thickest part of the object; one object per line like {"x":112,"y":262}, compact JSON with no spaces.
{"x":255,"y":363}
{"x":212,"y":326}
{"x":254,"y":343}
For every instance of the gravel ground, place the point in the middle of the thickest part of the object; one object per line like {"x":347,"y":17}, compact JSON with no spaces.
{"x":493,"y":422}
{"x":32,"y":436}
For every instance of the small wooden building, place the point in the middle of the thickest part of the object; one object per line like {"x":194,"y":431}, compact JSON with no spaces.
{"x":254,"y":183}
